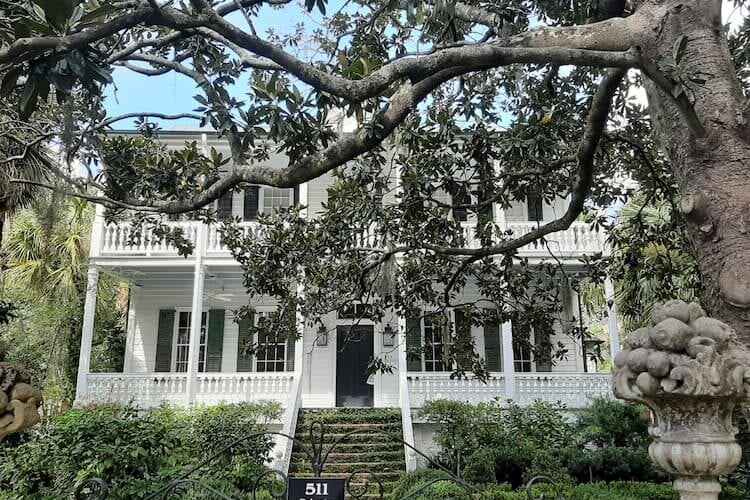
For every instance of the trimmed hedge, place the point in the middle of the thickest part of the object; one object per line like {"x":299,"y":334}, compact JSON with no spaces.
{"x":448,"y":490}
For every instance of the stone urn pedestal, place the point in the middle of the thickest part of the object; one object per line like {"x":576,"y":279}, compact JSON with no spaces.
{"x":694,"y":440}
{"x":691,"y":372}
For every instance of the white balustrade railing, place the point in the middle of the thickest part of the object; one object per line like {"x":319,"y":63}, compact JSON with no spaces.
{"x":214,"y":244}
{"x":578,"y":239}
{"x":575,"y":390}
{"x":117,"y":239}
{"x":426,"y":386}
{"x":146,"y":390}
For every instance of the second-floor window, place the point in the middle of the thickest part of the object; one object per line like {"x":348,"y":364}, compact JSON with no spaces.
{"x":265,"y":199}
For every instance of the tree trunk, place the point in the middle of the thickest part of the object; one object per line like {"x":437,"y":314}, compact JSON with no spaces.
{"x":712,"y":171}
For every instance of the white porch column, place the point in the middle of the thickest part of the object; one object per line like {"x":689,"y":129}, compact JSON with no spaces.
{"x":509,"y":369}
{"x":304,"y":199}
{"x":407,"y":426}
{"x":614,"y":328}
{"x":87,"y":333}
{"x":196,"y":314}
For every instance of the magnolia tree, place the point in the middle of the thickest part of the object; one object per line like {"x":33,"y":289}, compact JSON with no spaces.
{"x":488,"y":102}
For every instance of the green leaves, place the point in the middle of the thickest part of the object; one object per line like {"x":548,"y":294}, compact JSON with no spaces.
{"x":310,"y":5}
{"x":58,"y":13}
{"x":679,"y":48}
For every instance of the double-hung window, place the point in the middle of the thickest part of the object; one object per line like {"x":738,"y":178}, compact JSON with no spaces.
{"x":271,"y":356}
{"x":265,"y":199}
{"x":434,"y":349}
{"x":182,"y":342}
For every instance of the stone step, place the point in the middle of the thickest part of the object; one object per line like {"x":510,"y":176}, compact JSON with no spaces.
{"x":353,"y":415}
{"x":394,"y":427}
{"x":370,"y":437}
{"x":349,"y":467}
{"x":364,"y":453}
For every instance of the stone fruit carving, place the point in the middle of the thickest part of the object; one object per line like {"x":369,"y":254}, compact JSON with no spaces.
{"x":19,"y":401}
{"x":686,"y":353}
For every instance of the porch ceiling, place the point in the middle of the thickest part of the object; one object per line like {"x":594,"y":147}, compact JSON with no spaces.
{"x":228,"y":279}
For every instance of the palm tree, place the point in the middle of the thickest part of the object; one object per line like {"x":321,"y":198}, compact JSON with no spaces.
{"x":46,"y":256}
{"x":652,"y":260}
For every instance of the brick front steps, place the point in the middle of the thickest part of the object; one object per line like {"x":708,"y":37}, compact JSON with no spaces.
{"x":373,"y":452}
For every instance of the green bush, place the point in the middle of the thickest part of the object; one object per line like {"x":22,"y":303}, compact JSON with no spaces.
{"x":503,"y":442}
{"x":443,"y":489}
{"x":593,"y":491}
{"x":135,"y":452}
{"x":611,"y":464}
{"x":463,"y":428}
{"x":607,"y":422}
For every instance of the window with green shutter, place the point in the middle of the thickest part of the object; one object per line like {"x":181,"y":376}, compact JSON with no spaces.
{"x":463,"y":340}
{"x":492,"y":353}
{"x":215,"y":342}
{"x":164,"y":337}
{"x":244,"y":344}
{"x":413,"y":345}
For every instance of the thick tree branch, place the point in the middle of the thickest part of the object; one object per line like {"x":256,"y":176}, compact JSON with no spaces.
{"x":161,"y":116}
{"x":470,"y":58}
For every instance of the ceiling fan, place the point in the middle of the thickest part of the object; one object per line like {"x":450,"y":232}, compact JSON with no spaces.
{"x":217,"y":290}
{"x":218,"y":295}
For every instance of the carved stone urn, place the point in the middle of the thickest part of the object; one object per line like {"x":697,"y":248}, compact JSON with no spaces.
{"x":19,"y":401}
{"x":691,"y":371}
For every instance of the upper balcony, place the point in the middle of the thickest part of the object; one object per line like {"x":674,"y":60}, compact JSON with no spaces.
{"x":117,"y":241}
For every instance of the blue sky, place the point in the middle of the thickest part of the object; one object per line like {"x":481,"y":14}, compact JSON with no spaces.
{"x":173,"y":93}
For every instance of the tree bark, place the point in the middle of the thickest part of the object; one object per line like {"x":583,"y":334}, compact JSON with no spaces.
{"x":712,"y":172}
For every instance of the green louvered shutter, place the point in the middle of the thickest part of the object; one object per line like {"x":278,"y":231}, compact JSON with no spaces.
{"x":245,"y":339}
{"x":492,"y":346}
{"x":413,"y":345}
{"x":250,"y":207}
{"x":463,"y":339}
{"x":291,"y":344}
{"x":215,"y":343}
{"x":543,"y":352}
{"x":165,"y":333}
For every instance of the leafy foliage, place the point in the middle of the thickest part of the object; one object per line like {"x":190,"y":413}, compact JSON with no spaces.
{"x":652,"y":260}
{"x":47,"y":261}
{"x":495,"y":443}
{"x":135,"y":452}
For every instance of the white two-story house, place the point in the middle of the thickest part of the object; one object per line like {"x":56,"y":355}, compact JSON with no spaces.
{"x":184,"y":347}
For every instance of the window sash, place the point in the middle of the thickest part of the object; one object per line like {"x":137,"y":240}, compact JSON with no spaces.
{"x":271,"y":352}
{"x":273,"y":198}
{"x":432,"y":340}
{"x":523,"y":361}
{"x":182,"y":342}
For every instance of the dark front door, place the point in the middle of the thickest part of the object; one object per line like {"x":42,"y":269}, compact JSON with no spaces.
{"x":354,"y":350}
